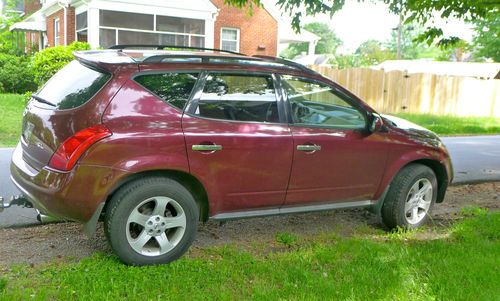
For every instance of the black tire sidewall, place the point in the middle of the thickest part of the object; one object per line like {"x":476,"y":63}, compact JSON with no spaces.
{"x":133,"y":194}
{"x":393,"y":210}
{"x":429,"y":175}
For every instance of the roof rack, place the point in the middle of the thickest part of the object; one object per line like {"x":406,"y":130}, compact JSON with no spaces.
{"x":286,"y":63}
{"x":161,"y":47}
{"x":207,"y":59}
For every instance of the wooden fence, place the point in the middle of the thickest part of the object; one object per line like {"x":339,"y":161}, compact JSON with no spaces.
{"x":397,"y":91}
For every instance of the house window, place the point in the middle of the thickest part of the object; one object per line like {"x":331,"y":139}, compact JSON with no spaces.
{"x":132,"y":28}
{"x":81,"y":27}
{"x":57,"y":38}
{"x":230,"y":39}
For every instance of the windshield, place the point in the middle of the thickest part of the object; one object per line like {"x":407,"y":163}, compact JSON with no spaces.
{"x":71,"y":87}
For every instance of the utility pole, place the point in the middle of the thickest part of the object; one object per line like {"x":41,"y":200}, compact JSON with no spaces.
{"x":400,"y":28}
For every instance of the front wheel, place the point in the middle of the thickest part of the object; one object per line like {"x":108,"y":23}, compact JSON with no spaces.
{"x":151,"y":221}
{"x":410,"y":198}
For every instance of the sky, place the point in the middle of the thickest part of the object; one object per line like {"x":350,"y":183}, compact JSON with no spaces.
{"x":359,"y":22}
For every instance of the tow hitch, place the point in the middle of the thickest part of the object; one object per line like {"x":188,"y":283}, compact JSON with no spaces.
{"x":17,"y":200}
{"x":20,"y":200}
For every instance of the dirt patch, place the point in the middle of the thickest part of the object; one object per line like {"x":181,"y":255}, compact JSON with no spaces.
{"x":43,"y":243}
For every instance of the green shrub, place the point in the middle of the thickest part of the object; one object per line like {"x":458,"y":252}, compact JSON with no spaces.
{"x":50,"y":60}
{"x":16,"y":75}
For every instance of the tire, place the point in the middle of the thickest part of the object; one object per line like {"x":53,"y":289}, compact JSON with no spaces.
{"x":415,"y":186}
{"x":151,"y":221}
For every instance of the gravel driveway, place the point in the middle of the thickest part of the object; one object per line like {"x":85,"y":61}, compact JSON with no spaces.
{"x":43,"y":243}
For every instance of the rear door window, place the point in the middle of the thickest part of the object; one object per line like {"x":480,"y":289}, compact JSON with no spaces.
{"x":173,"y":88}
{"x":239,"y":97}
{"x":72,"y":86}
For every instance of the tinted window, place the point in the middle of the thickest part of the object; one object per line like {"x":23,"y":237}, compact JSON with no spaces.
{"x":239,"y":97}
{"x":174,"y":88}
{"x":315,"y":103}
{"x":73,"y":86}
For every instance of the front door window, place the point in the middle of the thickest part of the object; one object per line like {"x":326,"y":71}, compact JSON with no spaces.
{"x":316,"y":104}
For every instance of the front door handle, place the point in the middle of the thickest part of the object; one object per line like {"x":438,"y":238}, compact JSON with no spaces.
{"x":308,"y":147}
{"x":206,"y":147}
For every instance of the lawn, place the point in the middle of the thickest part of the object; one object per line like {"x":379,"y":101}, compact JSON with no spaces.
{"x":12,"y":106}
{"x":461,"y":262}
{"x":451,"y":125}
{"x":11,"y":110}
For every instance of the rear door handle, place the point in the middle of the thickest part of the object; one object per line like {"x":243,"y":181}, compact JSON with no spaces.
{"x":308,"y":147}
{"x":206,"y":147}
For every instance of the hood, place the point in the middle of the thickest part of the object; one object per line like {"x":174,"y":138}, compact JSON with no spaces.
{"x":417,"y":133}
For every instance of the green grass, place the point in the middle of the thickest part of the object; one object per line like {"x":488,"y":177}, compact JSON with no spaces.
{"x":461,"y":263}
{"x":451,"y":125}
{"x":11,"y":110}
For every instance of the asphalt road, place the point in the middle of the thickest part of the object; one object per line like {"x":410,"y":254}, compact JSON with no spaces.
{"x":475,"y":159}
{"x":15,"y":215}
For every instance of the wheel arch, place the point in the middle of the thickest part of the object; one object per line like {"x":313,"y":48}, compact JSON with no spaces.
{"x":437,"y":167}
{"x":189,"y":181}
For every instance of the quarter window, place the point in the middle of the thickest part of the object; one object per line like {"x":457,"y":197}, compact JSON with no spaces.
{"x":230,"y":39}
{"x":174,"y":88}
{"x":317,"y":104}
{"x":239,"y":98}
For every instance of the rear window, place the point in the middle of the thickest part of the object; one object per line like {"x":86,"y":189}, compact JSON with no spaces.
{"x":72,"y":86}
{"x":174,"y":88}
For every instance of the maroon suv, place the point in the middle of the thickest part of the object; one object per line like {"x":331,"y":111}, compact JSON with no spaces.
{"x":154,"y":141}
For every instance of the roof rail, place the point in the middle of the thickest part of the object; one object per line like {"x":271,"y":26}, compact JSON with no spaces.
{"x":161,"y":47}
{"x":286,"y":63}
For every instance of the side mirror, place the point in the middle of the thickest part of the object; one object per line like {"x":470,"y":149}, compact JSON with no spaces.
{"x":377,"y":123}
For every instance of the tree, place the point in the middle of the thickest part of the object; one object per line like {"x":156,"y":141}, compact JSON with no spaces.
{"x":486,"y":41}
{"x":419,"y":11}
{"x":456,"y":52}
{"x":372,"y":52}
{"x":328,"y":43}
{"x":8,"y":17}
{"x":410,"y":45}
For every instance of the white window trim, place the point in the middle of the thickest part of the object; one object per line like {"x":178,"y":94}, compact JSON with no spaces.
{"x":57,"y":32}
{"x":237,"y":37}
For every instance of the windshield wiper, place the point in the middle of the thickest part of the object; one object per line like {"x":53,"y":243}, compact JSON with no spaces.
{"x":42,"y":100}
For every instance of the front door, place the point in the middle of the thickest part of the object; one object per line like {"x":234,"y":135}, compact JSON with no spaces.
{"x":237,"y":144}
{"x":335,"y":159}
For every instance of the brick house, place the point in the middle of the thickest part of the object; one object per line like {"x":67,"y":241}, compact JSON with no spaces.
{"x":199,"y":23}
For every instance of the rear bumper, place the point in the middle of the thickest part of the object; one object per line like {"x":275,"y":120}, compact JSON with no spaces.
{"x":73,"y":195}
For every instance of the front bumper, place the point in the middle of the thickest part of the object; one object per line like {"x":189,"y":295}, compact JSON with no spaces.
{"x":73,"y":195}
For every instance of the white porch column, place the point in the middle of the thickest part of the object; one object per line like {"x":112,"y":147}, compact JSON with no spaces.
{"x":93,"y":27}
{"x":210,"y":33}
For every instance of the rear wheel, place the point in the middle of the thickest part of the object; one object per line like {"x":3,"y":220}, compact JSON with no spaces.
{"x":410,"y":198}
{"x":151,"y":221}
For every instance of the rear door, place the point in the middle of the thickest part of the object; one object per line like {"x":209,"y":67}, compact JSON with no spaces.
{"x":335,"y":159}
{"x":237,"y":143}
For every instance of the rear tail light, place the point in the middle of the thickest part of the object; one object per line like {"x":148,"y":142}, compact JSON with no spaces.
{"x":71,"y":150}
